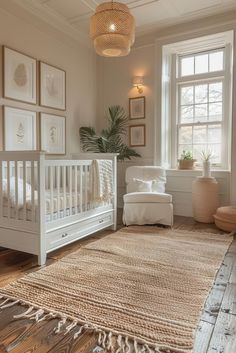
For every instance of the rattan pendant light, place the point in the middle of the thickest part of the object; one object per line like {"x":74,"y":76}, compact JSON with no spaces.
{"x":112,"y":29}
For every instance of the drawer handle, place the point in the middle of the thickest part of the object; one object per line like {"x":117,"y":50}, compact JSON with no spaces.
{"x":101,"y":221}
{"x":64,"y":235}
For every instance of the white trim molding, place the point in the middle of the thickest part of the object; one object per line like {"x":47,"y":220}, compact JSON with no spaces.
{"x":168,"y":90}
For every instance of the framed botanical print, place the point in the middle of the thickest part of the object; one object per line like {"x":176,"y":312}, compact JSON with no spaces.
{"x":19,"y":129}
{"x":52,"y":87}
{"x":19,"y":76}
{"x":53,"y":133}
{"x":137,"y":135}
{"x":137,"y":108}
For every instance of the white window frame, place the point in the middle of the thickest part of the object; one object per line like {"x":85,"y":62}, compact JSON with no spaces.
{"x":170,"y":95}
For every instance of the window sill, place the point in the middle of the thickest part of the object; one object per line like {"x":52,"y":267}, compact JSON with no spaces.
{"x":196,"y":172}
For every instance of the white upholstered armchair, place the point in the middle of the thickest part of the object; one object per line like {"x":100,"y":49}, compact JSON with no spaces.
{"x":146,"y":201}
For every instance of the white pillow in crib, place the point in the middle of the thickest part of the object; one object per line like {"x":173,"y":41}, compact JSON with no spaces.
{"x":13,"y":191}
{"x":139,"y":185}
{"x":158,"y":186}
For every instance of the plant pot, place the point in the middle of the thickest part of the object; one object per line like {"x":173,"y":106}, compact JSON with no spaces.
{"x":186,"y":163}
{"x":206,"y":169}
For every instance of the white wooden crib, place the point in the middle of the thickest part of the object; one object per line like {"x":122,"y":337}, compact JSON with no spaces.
{"x":46,"y":204}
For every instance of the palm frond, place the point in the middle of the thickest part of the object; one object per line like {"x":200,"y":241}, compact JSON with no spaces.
{"x":110,"y":139}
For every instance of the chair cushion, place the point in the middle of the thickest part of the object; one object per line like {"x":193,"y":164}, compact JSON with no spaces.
{"x":147,"y":197}
{"x":138,"y":185}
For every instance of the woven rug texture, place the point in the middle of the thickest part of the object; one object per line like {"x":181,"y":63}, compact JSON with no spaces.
{"x":138,"y":289}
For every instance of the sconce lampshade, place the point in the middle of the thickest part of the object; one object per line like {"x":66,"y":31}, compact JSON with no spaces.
{"x":112,"y":29}
{"x":138,"y":81}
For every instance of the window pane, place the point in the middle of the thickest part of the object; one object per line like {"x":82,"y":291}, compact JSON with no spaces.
{"x":185,"y":135}
{"x":217,"y":61}
{"x":197,"y":151}
{"x":186,"y":95}
{"x":215,"y":92}
{"x":200,"y":112}
{"x":186,"y":114}
{"x":214,"y":134}
{"x":200,"y":94}
{"x":201,"y":64}
{"x":183,"y":148}
{"x":215,"y":111}
{"x":187,"y":66}
{"x":200,"y":134}
{"x":216,"y":152}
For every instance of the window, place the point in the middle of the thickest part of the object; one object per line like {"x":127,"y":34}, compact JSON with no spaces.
{"x":196,"y":99}
{"x":200,"y":104}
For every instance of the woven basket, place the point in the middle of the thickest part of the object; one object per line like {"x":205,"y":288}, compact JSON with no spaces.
{"x":186,"y":163}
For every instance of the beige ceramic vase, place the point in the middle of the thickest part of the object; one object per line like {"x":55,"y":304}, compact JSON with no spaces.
{"x":205,"y":197}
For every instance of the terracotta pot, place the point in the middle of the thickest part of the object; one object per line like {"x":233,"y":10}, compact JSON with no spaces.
{"x":186,"y":163}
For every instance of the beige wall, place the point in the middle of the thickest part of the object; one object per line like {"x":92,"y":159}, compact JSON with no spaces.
{"x":115,"y":87}
{"x":76,"y":59}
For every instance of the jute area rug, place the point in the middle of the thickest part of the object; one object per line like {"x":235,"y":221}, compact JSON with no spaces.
{"x":138,"y":289}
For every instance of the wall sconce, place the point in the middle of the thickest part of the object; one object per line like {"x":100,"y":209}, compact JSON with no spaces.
{"x":138,"y":83}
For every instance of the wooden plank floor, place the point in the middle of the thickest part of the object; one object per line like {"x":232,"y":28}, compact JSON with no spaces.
{"x":216,"y":331}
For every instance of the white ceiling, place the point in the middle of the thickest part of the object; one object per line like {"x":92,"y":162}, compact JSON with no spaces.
{"x":73,"y":15}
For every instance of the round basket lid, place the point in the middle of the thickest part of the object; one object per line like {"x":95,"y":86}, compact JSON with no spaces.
{"x":227,"y":213}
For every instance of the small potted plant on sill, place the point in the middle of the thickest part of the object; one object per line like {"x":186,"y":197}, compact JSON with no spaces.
{"x":186,"y":161}
{"x":206,"y":163}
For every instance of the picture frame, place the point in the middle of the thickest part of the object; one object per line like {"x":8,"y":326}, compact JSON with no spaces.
{"x":19,"y":129}
{"x":137,"y":107}
{"x":52,"y":86}
{"x":19,"y":76}
{"x":137,"y":135}
{"x":53,"y":133}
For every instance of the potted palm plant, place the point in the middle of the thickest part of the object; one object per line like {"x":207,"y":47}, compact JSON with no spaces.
{"x":110,"y":139}
{"x":186,"y":161}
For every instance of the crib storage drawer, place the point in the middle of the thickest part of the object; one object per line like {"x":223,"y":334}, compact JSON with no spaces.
{"x":78,"y":230}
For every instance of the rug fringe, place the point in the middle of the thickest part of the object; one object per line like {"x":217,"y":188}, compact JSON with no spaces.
{"x":113,"y":342}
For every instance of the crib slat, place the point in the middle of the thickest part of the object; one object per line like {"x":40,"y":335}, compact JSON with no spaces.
{"x":76,"y":189}
{"x":32,"y":191}
{"x":51,"y":192}
{"x":24,"y":190}
{"x":58,"y":190}
{"x":1,"y":190}
{"x":81,"y":188}
{"x":8,"y":189}
{"x":64,"y":191}
{"x":16,"y":189}
{"x":70,"y":189}
{"x":85,"y":188}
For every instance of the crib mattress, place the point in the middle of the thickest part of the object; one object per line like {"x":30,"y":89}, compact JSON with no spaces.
{"x":57,"y":206}
{"x":51,"y":203}
{"x":30,"y":216}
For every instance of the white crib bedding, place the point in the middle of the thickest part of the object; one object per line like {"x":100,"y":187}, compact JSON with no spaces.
{"x":51,"y":203}
{"x":53,"y":212}
{"x":29,"y":214}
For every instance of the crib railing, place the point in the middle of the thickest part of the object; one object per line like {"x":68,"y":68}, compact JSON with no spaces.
{"x":35,"y":191}
{"x":20,"y":186}
{"x":68,"y":184}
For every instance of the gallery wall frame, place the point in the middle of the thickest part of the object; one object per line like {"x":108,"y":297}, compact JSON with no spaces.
{"x":137,"y":108}
{"x":19,"y":129}
{"x":52,"y":133}
{"x":52,"y":86}
{"x":19,"y":76}
{"x":137,"y":135}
